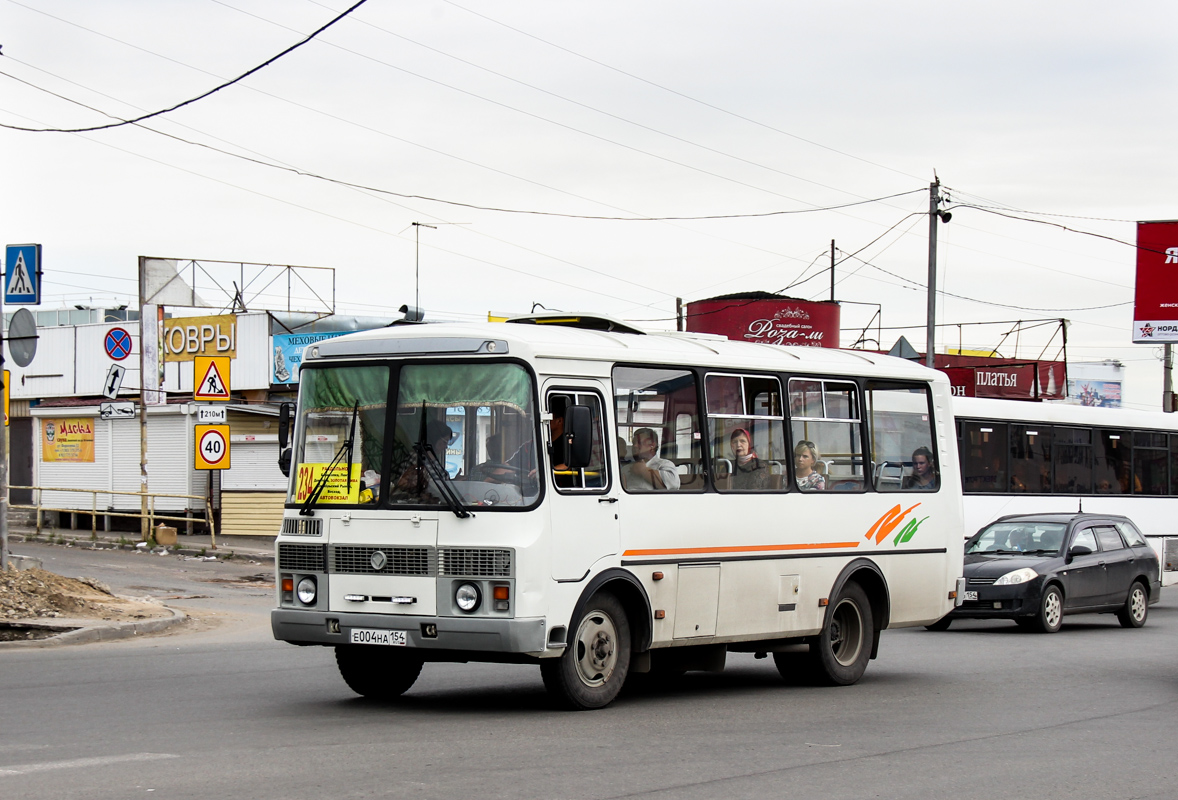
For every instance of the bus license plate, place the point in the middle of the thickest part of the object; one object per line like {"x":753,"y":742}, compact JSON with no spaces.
{"x":971,"y":596}
{"x":369,"y":636}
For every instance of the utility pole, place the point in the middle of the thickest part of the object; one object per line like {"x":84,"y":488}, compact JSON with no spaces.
{"x":3,"y":458}
{"x":934,"y":199}
{"x":1168,"y":378}
{"x":832,"y":270}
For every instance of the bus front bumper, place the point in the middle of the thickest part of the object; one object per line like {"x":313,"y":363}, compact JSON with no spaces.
{"x":440,"y":634}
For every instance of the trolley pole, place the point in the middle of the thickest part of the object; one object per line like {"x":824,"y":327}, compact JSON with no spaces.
{"x":934,"y":199}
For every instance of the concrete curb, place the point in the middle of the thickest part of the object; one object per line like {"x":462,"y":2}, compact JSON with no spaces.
{"x":86,"y":543}
{"x":99,"y":632}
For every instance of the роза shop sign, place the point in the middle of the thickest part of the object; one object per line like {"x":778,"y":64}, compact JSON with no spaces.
{"x":767,"y":318}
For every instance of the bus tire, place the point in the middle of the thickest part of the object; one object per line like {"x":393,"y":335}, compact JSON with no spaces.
{"x":591,"y":671}
{"x":840,"y":653}
{"x":375,"y":672}
{"x":1050,"y":616}
{"x":1136,"y":607}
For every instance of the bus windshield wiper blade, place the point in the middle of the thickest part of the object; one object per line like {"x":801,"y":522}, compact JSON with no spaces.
{"x":441,"y":479}
{"x":345,"y":449}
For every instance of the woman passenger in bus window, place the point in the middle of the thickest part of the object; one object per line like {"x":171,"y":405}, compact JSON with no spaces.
{"x":748,"y":473}
{"x":806,"y":468}
{"x":924,"y":472}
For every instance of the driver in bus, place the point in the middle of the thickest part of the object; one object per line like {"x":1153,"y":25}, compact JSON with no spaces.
{"x":648,"y":472}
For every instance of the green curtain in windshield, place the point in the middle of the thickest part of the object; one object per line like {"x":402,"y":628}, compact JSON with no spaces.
{"x":447,"y":386}
{"x":342,"y":387}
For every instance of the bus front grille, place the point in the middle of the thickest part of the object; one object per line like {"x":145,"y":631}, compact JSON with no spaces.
{"x":302,"y":527}
{"x":302,"y":557}
{"x":362,"y":560}
{"x":471,"y":562}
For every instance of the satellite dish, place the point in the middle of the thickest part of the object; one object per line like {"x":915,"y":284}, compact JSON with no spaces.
{"x":22,"y":337}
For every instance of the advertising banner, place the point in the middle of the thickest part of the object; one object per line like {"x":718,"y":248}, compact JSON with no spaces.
{"x":1098,"y":394}
{"x":288,"y":353}
{"x":1155,"y":307}
{"x":185,"y":338}
{"x":1041,"y":380}
{"x":767,"y":319}
{"x":69,"y":440}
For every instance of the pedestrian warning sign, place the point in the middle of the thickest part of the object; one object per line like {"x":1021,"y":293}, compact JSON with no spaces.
{"x":210,"y":378}
{"x":22,"y":274}
{"x":212,"y":446}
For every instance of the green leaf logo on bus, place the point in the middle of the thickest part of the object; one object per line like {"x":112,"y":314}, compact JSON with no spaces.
{"x":890,"y":521}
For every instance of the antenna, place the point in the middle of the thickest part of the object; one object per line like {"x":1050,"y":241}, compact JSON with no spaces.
{"x":417,"y":226}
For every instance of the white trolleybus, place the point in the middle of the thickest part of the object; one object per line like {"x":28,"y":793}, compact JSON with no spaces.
{"x":601,"y":501}
{"x":1027,"y":458}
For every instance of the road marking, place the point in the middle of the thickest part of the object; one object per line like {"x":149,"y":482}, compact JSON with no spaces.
{"x":74,"y":763}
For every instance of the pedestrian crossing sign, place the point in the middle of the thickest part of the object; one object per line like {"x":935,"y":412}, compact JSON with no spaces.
{"x":210,"y":378}
{"x":22,"y":274}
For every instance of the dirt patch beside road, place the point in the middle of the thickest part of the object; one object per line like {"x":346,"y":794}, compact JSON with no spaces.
{"x":35,"y":594}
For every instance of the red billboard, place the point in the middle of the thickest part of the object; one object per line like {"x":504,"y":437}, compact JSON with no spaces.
{"x":1155,"y":307}
{"x":767,"y":318}
{"x":1036,"y":380}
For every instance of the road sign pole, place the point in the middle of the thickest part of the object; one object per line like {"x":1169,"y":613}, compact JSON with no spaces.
{"x":3,"y":466}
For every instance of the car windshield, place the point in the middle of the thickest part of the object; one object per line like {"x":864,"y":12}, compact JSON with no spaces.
{"x":1039,"y":538}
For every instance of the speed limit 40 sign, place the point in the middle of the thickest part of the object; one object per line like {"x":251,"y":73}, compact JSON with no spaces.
{"x":212,"y":446}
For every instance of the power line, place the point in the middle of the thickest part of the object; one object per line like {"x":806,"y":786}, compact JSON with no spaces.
{"x":199,"y":97}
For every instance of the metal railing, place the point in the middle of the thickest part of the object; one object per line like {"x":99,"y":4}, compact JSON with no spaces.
{"x":95,"y":512}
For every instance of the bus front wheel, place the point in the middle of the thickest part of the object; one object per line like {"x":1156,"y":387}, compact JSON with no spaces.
{"x":591,"y":671}
{"x":378,"y":673}
{"x":841,"y":652}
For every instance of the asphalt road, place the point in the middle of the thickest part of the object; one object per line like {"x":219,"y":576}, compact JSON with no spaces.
{"x":983,"y":710}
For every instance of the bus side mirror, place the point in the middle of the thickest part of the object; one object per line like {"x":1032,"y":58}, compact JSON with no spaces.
{"x":283,"y":425}
{"x":284,"y":461}
{"x":578,"y":435}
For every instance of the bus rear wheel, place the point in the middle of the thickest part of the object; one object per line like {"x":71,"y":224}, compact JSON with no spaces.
{"x":840,"y":653}
{"x":591,"y":671}
{"x":378,"y":673}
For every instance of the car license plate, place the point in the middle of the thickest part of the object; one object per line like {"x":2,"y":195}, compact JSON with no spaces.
{"x":971,"y":596}
{"x":369,"y":636}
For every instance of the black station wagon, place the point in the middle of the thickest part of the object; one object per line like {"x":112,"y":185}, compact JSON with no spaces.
{"x":1037,"y":568}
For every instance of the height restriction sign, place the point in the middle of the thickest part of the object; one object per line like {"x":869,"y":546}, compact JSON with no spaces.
{"x":210,"y":378}
{"x":212,"y":446}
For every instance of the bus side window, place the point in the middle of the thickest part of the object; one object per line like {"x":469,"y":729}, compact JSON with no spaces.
{"x":902,"y":442}
{"x":825,"y":424}
{"x":593,"y":476}
{"x":658,"y":419}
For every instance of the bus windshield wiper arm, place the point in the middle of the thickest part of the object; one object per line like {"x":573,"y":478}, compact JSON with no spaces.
{"x":345,"y":449}
{"x":437,"y":473}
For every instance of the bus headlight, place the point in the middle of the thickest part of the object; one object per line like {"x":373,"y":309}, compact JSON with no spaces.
{"x":306,"y":591}
{"x":467,"y":597}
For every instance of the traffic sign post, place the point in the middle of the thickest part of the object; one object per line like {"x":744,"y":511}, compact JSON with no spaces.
{"x":22,"y":274}
{"x":210,"y":378}
{"x":7,"y":378}
{"x":212,"y":446}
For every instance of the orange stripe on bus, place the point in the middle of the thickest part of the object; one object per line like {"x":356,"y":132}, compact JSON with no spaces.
{"x":756,"y":548}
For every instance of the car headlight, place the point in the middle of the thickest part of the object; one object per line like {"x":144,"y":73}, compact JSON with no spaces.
{"x":467,"y":597}
{"x":306,"y":591}
{"x":1018,"y":576}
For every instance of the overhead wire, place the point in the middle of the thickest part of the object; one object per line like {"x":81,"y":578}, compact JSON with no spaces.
{"x":199,"y":97}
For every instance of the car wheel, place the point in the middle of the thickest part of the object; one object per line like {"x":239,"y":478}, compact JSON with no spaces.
{"x":375,"y":672}
{"x":1050,"y":616}
{"x":940,"y":625}
{"x":841,"y":652}
{"x":591,"y":671}
{"x":1136,"y":607}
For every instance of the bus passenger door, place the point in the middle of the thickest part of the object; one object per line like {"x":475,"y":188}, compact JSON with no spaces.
{"x":582,"y":502}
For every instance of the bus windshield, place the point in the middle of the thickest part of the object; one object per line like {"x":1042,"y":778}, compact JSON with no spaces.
{"x":340,"y":436}
{"x":465,"y":435}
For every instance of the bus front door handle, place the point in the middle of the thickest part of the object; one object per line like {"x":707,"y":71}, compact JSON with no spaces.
{"x":607,"y":499}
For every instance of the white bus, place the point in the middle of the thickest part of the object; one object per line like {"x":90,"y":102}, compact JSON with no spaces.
{"x":1028,"y":458}
{"x":601,"y":501}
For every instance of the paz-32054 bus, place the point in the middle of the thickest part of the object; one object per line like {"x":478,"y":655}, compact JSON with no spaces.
{"x":602,"y":501}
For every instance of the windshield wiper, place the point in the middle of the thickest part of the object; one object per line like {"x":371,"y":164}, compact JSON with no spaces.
{"x":437,"y":472}
{"x":345,"y":449}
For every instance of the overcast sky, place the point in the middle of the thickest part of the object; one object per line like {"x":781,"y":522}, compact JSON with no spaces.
{"x":1052,"y":111}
